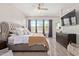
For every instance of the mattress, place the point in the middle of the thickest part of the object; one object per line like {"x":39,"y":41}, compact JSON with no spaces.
{"x":26,"y":48}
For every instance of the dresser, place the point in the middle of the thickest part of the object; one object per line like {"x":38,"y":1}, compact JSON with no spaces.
{"x":65,"y":39}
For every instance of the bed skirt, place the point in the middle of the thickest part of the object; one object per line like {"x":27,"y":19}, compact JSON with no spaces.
{"x":26,"y":48}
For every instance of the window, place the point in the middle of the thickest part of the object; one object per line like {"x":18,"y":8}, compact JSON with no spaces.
{"x":33,"y":26}
{"x":41,"y":26}
{"x":46,"y":26}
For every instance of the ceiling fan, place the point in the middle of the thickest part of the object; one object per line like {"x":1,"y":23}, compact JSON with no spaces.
{"x":41,"y":7}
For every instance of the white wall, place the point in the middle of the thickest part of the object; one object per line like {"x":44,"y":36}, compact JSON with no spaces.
{"x":11,"y":14}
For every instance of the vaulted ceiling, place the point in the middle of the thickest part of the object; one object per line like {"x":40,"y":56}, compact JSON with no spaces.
{"x":30,"y":9}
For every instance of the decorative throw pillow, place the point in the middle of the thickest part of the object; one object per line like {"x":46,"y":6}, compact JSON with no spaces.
{"x":22,"y":31}
{"x":26,"y":31}
{"x":19,"y":31}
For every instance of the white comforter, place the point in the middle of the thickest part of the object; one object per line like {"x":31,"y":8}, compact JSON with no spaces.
{"x":18,"y":39}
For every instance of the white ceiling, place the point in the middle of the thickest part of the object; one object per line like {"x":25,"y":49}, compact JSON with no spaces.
{"x":29,"y":9}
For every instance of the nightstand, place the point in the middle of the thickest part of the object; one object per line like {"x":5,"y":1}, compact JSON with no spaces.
{"x":3,"y":44}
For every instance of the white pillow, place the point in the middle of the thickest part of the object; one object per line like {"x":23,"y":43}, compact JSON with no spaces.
{"x":9,"y":53}
{"x":26,"y":31}
{"x":22,"y":31}
{"x":19,"y":31}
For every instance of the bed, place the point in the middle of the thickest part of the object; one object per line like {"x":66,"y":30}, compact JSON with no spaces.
{"x":36,"y":42}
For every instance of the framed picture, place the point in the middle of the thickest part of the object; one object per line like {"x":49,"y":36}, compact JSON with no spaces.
{"x":73,"y":20}
{"x":66,"y":22}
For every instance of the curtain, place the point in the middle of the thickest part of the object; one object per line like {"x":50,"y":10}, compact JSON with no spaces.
{"x":29,"y":25}
{"x":50,"y":28}
{"x":43,"y":27}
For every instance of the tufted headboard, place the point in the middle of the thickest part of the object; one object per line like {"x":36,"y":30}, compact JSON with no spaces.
{"x":13,"y":26}
{"x":6,"y":28}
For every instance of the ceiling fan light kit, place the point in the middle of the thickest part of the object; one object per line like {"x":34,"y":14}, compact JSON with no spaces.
{"x":41,"y":8}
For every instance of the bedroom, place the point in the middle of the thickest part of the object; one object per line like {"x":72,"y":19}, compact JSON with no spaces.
{"x":32,"y":20}
{"x":35,"y":29}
